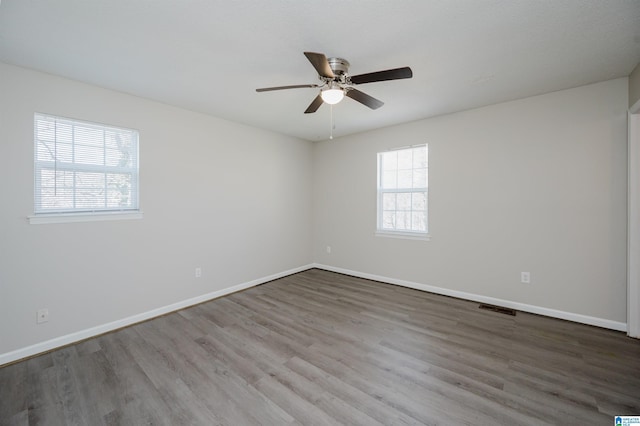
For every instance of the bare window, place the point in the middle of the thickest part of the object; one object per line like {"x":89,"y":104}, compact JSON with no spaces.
{"x":402,"y":191}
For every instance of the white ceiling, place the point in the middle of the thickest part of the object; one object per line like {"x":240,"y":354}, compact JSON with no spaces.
{"x":211,"y":55}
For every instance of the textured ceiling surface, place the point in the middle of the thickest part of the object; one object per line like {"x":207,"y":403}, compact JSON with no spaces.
{"x":211,"y":55}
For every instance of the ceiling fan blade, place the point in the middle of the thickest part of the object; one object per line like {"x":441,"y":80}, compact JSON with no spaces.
{"x":364,"y":99}
{"x":394,"y":74}
{"x":296,"y":86}
{"x":314,"y":105}
{"x":320,"y":63}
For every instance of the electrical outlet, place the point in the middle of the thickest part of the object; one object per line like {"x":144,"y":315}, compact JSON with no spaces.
{"x":525,"y":277}
{"x":329,"y":249}
{"x":198,"y":272}
{"x":42,"y":315}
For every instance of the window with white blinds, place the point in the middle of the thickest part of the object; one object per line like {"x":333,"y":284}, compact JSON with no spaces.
{"x":83,"y":167}
{"x":402,"y":191}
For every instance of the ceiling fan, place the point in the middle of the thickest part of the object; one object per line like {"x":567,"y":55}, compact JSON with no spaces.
{"x":336,"y":83}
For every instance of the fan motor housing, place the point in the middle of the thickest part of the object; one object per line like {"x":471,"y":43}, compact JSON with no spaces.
{"x":339,"y":66}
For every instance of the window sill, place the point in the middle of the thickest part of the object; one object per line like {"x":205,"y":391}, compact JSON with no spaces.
{"x":82,"y":217}
{"x":404,"y":235}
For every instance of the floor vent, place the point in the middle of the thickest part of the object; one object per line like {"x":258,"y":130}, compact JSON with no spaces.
{"x":498,"y":309}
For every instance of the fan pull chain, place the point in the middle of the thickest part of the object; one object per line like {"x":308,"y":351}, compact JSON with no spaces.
{"x":331,"y":130}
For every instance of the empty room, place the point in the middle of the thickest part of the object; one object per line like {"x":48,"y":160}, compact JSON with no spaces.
{"x":319,"y":212}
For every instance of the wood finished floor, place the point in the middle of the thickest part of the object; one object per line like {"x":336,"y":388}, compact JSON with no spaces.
{"x":319,"y":348}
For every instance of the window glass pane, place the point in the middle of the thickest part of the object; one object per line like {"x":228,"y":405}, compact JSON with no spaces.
{"x":52,"y":179}
{"x":119,"y":186}
{"x":58,"y":198}
{"x":418,"y":222}
{"x":88,"y":136}
{"x":404,"y":178}
{"x":388,"y":201}
{"x":89,"y":180}
{"x":418,"y":201}
{"x":44,"y":152}
{"x":89,"y":155}
{"x":64,"y":152}
{"x":112,"y":157}
{"x":403,"y":220}
{"x":404,"y":201}
{"x":419,"y":178}
{"x":419,"y":158}
{"x":388,"y":220}
{"x":405,"y":159}
{"x":89,"y":198}
{"x":64,"y":133}
{"x":390,"y":160}
{"x":118,"y":149}
{"x":45,"y":131}
{"x":389,"y":180}
{"x":118,"y":198}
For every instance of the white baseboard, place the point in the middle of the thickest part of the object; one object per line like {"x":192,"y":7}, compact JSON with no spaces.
{"x":67,"y":339}
{"x":583,"y":319}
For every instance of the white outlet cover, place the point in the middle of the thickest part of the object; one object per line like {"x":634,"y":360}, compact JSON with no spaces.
{"x":42,"y":316}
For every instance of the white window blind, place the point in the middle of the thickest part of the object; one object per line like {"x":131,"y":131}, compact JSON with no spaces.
{"x":83,"y":167}
{"x":402,"y":190}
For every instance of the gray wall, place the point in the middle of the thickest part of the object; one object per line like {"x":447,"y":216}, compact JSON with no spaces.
{"x":225,"y":197}
{"x":536,"y":185}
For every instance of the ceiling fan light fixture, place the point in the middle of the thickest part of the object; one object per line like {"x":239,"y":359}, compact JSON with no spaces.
{"x":332,"y":95}
{"x":336,"y":83}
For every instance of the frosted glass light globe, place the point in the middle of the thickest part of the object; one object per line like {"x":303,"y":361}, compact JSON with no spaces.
{"x":332,"y":96}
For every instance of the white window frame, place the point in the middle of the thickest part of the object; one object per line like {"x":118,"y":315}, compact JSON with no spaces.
{"x":407,"y":234}
{"x":78,"y":213}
